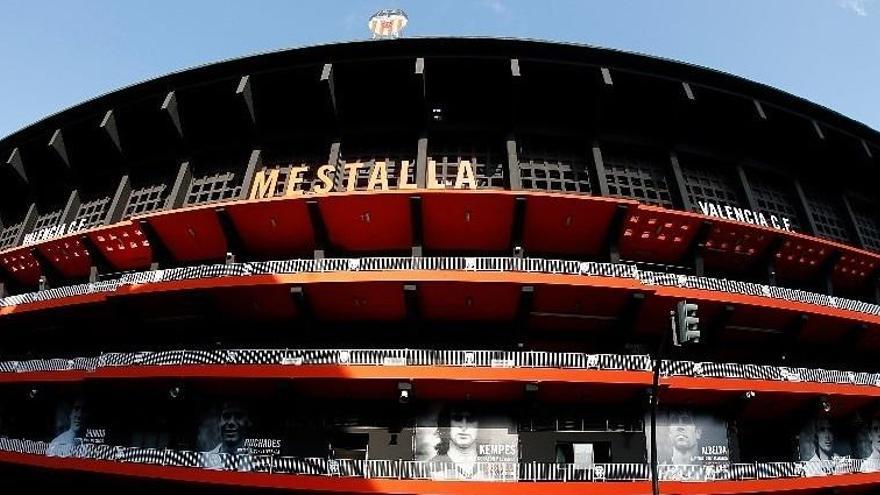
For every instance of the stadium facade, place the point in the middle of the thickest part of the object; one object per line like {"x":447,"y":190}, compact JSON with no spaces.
{"x":445,"y":266}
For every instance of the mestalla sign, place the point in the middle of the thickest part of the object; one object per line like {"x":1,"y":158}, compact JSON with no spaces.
{"x":266,"y":182}
{"x":729,"y":212}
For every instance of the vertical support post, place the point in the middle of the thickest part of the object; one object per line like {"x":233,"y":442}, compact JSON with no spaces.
{"x":519,"y":220}
{"x":411,"y":300}
{"x":523,"y":312}
{"x":415,"y":209}
{"x":852,"y":222}
{"x":612,"y":239}
{"x":422,"y":162}
{"x":245,"y":92}
{"x":56,"y":142}
{"x":759,"y":109}
{"x":27,"y":224}
{"x":804,"y":205}
{"x":746,"y":187}
{"x":169,"y":106}
{"x":108,"y":125}
{"x":680,"y":185}
{"x":333,"y":159}
{"x":119,"y":202}
{"x":768,"y":259}
{"x":318,"y":227}
{"x":515,"y":182}
{"x":162,"y":257}
{"x":254,"y":162}
{"x":234,"y":244}
{"x":875,"y":286}
{"x":100,"y":263}
{"x":17,"y":164}
{"x":599,"y":169}
{"x":181,"y":187}
{"x":71,"y":208}
{"x":655,"y":400}
{"x":327,"y":78}
{"x":697,"y":246}
{"x":827,"y":272}
{"x":419,"y":71}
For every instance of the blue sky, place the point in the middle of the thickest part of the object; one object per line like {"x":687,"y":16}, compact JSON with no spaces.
{"x":57,"y":53}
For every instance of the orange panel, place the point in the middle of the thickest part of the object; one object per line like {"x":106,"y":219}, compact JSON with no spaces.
{"x":463,"y":301}
{"x":23,"y":266}
{"x":191,"y":235}
{"x":657,"y":235}
{"x":124,"y":245}
{"x":368,"y":222}
{"x":348,"y":301}
{"x":455,"y":221}
{"x":274,"y":228}
{"x":564,"y":224}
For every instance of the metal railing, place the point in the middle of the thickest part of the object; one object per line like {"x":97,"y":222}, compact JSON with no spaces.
{"x":765,"y":372}
{"x":359,"y":357}
{"x":443,"y":471}
{"x":444,"y":263}
{"x":440,"y":357}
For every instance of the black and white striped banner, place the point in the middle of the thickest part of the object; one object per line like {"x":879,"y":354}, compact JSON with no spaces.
{"x":527,"y":471}
{"x":479,"y":264}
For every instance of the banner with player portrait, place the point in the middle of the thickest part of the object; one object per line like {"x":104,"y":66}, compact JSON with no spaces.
{"x":691,"y":444}
{"x":867,"y":446}
{"x":467,"y":442}
{"x":74,"y":427}
{"x":235,"y":427}
{"x":827,"y":446}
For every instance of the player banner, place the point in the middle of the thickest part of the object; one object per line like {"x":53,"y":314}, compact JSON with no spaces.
{"x":229,"y":428}
{"x":461,"y":443}
{"x":691,"y":445}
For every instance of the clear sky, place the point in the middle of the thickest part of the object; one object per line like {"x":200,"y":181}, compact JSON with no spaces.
{"x":57,"y":53}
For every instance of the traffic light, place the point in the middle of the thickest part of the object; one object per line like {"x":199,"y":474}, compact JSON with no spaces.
{"x":687,"y":325}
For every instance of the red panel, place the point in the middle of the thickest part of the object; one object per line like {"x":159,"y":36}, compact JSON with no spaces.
{"x":561,"y":307}
{"x":853,"y":269}
{"x":820,"y":329}
{"x":124,"y":245}
{"x":774,"y":399}
{"x":368,"y":222}
{"x":461,"y":221}
{"x":469,"y":301}
{"x":68,"y":255}
{"x":350,"y":301}
{"x":191,"y":235}
{"x":870,"y":340}
{"x":657,"y":235}
{"x":22,"y":265}
{"x":579,"y":300}
{"x":274,"y":228}
{"x":735,"y":246}
{"x":257,"y":302}
{"x":800,"y":257}
{"x":564,"y":224}
{"x":587,"y":328}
